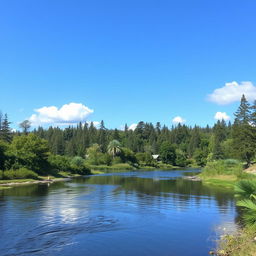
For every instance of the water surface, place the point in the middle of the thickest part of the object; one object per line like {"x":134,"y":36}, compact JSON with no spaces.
{"x":134,"y":213}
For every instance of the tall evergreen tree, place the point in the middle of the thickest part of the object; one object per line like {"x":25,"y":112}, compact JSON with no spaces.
{"x":242,"y":115}
{"x":102,"y":138}
{"x":5,"y":133}
{"x":243,"y":138}
{"x":253,"y":114}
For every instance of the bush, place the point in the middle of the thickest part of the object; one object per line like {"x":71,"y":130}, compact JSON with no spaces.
{"x":59,"y":163}
{"x":77,"y":165}
{"x":21,"y":173}
{"x":105,"y":159}
{"x":117,"y":160}
{"x":128,"y":155}
{"x":223,"y":167}
{"x":146,"y":159}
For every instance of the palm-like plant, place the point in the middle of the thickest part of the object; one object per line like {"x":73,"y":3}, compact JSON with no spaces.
{"x":246,"y":191}
{"x":249,"y":214}
{"x":114,"y":148}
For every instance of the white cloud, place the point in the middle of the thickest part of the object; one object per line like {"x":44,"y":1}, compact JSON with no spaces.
{"x":232,"y":92}
{"x":71,"y":113}
{"x":222,"y":116}
{"x":178,"y":120}
{"x":132,"y":127}
{"x":95,"y":123}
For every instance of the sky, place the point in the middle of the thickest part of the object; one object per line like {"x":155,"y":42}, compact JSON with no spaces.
{"x":170,"y":61}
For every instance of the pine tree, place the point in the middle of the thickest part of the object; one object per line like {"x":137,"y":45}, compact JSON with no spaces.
{"x":5,"y":133}
{"x":102,"y":138}
{"x":242,"y":115}
{"x":243,"y":138}
{"x":219,"y":131}
{"x":253,"y":114}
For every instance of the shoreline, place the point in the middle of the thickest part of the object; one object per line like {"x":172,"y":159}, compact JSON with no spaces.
{"x":29,"y":182}
{"x":11,"y":183}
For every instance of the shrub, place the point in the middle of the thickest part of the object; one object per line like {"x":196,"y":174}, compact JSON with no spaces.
{"x":22,"y":173}
{"x":145,"y":159}
{"x":117,"y":160}
{"x":223,"y":167}
{"x":59,"y":163}
{"x":77,"y":165}
{"x":105,"y":159}
{"x":128,"y":155}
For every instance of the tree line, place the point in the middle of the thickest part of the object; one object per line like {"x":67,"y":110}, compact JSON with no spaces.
{"x":179,"y":145}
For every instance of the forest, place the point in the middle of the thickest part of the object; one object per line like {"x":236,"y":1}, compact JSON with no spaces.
{"x":77,"y":149}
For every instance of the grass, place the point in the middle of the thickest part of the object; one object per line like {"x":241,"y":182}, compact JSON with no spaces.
{"x":58,"y":176}
{"x":115,"y":167}
{"x":226,"y":181}
{"x":15,"y":181}
{"x":223,"y":173}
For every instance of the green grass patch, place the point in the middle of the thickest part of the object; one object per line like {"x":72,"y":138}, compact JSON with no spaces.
{"x":115,"y":167}
{"x":15,"y":181}
{"x":221,"y":180}
{"x":21,"y":173}
{"x":4,"y":187}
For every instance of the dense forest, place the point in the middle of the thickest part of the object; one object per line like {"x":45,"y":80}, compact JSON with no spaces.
{"x":76,"y":149}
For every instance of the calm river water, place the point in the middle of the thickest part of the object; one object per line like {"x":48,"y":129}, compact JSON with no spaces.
{"x":135,"y":213}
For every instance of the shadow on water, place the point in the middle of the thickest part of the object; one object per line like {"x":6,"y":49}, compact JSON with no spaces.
{"x":133,"y":213}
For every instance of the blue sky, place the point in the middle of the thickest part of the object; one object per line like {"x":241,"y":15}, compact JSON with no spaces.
{"x":125,"y":60}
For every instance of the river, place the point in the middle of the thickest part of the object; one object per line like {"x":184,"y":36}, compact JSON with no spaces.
{"x":140,"y":213}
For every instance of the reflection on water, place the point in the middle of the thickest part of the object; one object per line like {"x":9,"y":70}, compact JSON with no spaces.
{"x":134,"y":213}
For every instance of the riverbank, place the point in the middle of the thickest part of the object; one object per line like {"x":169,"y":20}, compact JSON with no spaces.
{"x":122,"y":167}
{"x":226,"y":174}
{"x":243,"y":243}
{"x":62,"y":176}
{"x":95,"y":169}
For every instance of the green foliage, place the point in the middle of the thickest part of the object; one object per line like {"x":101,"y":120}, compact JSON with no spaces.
{"x":181,"y":159}
{"x":246,"y":189}
{"x":22,"y":173}
{"x":25,"y":125}
{"x":115,"y":167}
{"x":167,"y":153}
{"x":145,"y":159}
{"x":5,"y":130}
{"x":222,"y":167}
{"x":246,"y":192}
{"x":201,"y":157}
{"x":105,"y":158}
{"x":114,"y":148}
{"x":3,"y":156}
{"x":128,"y":155}
{"x":243,"y":133}
{"x":30,"y":151}
{"x":93,"y":154}
{"x":117,"y":160}
{"x":249,"y":214}
{"x":78,"y":166}
{"x":181,"y":145}
{"x":59,"y":163}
